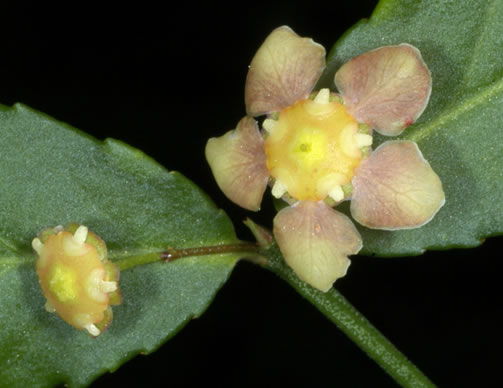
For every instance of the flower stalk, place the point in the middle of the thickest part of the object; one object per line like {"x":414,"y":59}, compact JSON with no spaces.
{"x":331,"y":304}
{"x":341,"y":312}
{"x":249,"y":251}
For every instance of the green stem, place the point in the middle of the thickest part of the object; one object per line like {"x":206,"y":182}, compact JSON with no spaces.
{"x":332,"y":304}
{"x":338,"y":309}
{"x":172,"y":254}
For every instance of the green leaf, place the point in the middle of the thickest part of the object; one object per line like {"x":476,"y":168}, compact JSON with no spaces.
{"x":52,"y":174}
{"x":460,"y":132}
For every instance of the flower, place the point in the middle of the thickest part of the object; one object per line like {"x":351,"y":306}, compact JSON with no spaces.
{"x":315,"y":150}
{"x":77,"y":280}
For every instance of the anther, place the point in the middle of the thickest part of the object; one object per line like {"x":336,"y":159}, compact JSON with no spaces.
{"x":49,"y":307}
{"x":269,"y":125}
{"x":80,"y":234}
{"x":278,"y":189}
{"x":336,"y":193}
{"x":92,"y":329}
{"x":37,"y":245}
{"x":108,"y":286}
{"x":363,"y":140}
{"x":323,"y":96}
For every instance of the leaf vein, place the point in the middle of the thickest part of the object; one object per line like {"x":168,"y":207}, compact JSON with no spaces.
{"x":9,"y":245}
{"x":489,"y":14}
{"x":12,"y":262}
{"x":454,"y":112}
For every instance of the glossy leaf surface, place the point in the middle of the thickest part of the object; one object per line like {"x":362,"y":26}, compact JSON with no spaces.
{"x":52,"y":174}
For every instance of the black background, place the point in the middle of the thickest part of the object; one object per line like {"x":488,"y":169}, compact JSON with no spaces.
{"x":165,"y":80}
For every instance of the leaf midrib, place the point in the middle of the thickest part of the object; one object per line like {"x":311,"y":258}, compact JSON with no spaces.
{"x":452,"y":113}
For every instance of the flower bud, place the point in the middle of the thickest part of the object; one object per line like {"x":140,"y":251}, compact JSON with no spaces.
{"x":77,"y":280}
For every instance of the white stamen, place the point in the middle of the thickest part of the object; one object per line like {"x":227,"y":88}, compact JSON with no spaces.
{"x":323,"y":96}
{"x":37,"y":245}
{"x":336,"y":193}
{"x":108,"y":286}
{"x":363,"y":140}
{"x":92,"y":329}
{"x":80,"y":234}
{"x":269,"y":125}
{"x":278,"y":189}
{"x":49,"y":307}
{"x":94,"y":285}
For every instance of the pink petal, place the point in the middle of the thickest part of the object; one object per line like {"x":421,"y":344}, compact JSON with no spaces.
{"x":387,"y":88}
{"x":395,"y":188}
{"x":283,"y":71}
{"x":315,"y":241}
{"x":238,"y":162}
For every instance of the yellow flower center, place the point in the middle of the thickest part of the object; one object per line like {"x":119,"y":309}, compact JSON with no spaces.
{"x":313,"y":148}
{"x":62,"y":283}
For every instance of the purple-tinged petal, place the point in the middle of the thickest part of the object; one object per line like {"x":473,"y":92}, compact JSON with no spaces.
{"x":396,"y":188}
{"x":387,"y":88}
{"x":283,"y":71}
{"x":315,"y":241}
{"x":238,"y":162}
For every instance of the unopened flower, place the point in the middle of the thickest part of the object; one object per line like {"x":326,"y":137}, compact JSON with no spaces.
{"x":315,"y":150}
{"x":77,"y":280}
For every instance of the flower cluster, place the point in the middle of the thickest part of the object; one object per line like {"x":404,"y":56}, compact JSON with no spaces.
{"x":315,"y":150}
{"x":77,"y":280}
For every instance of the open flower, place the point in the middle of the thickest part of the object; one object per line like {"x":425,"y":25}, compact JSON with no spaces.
{"x":315,"y":150}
